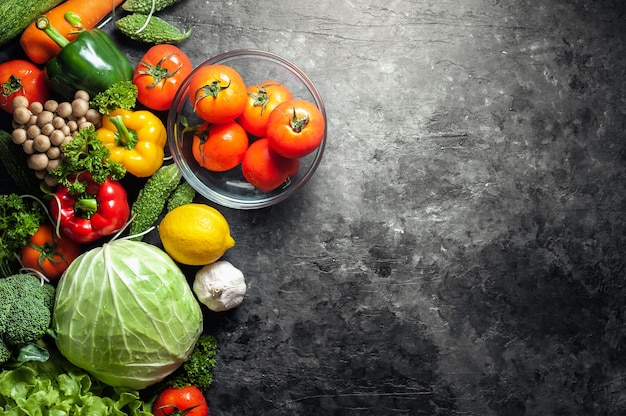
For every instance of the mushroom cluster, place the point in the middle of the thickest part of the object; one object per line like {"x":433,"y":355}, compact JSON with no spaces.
{"x":42,"y":129}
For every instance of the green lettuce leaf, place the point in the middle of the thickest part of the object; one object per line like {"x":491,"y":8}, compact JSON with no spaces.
{"x":58,"y":388}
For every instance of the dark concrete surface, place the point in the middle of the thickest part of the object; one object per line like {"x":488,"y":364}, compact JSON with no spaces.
{"x":460,"y":250}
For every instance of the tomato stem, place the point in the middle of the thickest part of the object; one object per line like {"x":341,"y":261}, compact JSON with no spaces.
{"x":260,"y":98}
{"x":158,"y":72}
{"x":175,"y":410}
{"x":298,"y":123}
{"x":48,"y":251}
{"x":13,"y":85}
{"x":209,"y":90}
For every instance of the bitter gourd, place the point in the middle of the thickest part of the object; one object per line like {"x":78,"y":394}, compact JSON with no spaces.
{"x":152,"y":199}
{"x":145,"y":6}
{"x":155,"y":31}
{"x":183,"y":194}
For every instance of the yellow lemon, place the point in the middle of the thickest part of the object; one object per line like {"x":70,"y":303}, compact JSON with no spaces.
{"x":195,"y":234}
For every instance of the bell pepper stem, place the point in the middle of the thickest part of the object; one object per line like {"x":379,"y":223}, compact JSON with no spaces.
{"x":43,"y":23}
{"x":124,"y":137}
{"x":86,"y":207}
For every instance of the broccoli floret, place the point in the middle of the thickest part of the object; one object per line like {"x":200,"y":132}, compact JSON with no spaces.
{"x":198,"y":369}
{"x":26,"y":311}
{"x":47,"y":293}
{"x":5,"y":352}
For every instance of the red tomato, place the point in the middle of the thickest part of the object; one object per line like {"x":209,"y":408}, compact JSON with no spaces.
{"x":217,"y":93}
{"x":264,"y":168}
{"x":159,"y":74}
{"x":262,"y":99}
{"x":221,"y":147}
{"x":295,"y":128}
{"x":21,"y":77}
{"x":48,"y":253}
{"x":176,"y":401}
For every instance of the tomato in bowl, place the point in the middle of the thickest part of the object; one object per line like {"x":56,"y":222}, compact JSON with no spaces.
{"x":268,"y":79}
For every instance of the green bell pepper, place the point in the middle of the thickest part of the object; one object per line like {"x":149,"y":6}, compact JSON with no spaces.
{"x":91,"y":62}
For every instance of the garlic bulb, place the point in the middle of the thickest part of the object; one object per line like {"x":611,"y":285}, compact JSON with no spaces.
{"x":220,"y":286}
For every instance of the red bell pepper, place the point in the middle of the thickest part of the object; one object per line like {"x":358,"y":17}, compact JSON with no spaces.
{"x":101,"y":210}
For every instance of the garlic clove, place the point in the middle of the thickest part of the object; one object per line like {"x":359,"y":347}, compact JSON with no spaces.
{"x":220,"y":286}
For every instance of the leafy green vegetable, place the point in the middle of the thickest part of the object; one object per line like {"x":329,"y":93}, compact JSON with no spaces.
{"x":126,"y":314}
{"x":56,"y":387}
{"x":198,"y":369}
{"x":19,"y":219}
{"x":35,"y":351}
{"x":25,"y":309}
{"x":122,"y":94}
{"x":150,"y":29}
{"x":15,"y":163}
{"x":86,"y":153}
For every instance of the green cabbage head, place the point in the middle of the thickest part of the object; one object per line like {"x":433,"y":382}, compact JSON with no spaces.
{"x":125,"y":313}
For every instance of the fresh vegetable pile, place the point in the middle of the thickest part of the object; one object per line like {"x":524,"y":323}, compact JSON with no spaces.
{"x":96,"y":318}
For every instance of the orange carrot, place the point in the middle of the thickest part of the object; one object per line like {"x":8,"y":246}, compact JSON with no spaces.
{"x":40,"y":48}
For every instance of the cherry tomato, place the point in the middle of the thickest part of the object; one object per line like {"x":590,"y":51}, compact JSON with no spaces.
{"x":217,"y":93}
{"x":48,"y":253}
{"x":221,"y":147}
{"x":158,"y":75}
{"x":175,"y":401}
{"x":295,"y":128}
{"x":262,"y":99}
{"x":264,"y":168}
{"x":21,"y":77}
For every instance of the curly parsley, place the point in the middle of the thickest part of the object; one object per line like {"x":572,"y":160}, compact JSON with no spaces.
{"x":122,"y":94}
{"x":86,"y":153}
{"x":19,"y":220}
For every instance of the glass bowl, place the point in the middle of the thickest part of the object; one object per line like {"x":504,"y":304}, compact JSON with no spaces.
{"x":230,"y":189}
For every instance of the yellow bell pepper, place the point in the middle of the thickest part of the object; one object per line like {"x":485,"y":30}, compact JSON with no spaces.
{"x":136,"y":139}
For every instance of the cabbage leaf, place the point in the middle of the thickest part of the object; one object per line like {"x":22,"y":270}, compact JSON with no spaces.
{"x":56,"y":387}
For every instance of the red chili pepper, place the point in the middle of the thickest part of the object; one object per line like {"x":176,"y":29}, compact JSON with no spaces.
{"x":101,"y":210}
